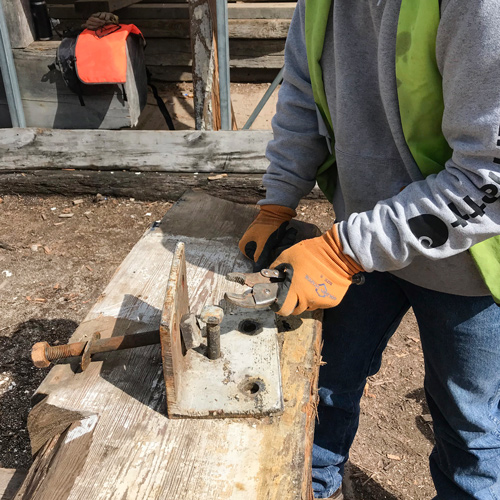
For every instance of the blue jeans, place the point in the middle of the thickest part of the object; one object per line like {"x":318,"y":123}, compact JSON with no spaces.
{"x":461,"y":344}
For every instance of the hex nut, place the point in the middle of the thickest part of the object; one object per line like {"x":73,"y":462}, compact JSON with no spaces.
{"x":39,"y":356}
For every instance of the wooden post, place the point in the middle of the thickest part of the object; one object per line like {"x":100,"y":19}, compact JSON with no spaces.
{"x":204,"y":68}
{"x":104,"y":433}
{"x":19,"y":22}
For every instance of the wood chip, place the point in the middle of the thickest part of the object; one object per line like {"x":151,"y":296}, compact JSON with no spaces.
{"x":47,"y":250}
{"x":39,"y":299}
{"x":57,"y":286}
{"x":89,"y":268}
{"x":77,"y":202}
{"x":216,"y":177}
{"x":43,"y":216}
{"x":65,"y":216}
{"x":58,"y":223}
{"x":393,"y":457}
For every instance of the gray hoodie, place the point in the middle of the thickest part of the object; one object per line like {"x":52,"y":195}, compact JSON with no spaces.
{"x":391,"y":218}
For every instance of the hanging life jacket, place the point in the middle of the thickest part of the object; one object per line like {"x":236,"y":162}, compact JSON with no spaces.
{"x":421,"y":106}
{"x":103,"y":57}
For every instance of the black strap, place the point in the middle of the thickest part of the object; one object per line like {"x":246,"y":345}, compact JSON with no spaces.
{"x":161,"y":104}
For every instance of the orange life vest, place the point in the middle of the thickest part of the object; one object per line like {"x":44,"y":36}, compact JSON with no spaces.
{"x":101,"y":55}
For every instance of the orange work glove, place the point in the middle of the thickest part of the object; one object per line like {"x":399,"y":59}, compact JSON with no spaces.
{"x":267,"y":232}
{"x":318,"y":275}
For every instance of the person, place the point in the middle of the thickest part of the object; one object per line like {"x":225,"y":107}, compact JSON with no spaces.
{"x":393,"y":107}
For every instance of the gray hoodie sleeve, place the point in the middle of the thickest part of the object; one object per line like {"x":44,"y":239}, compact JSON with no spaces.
{"x":447,"y":213}
{"x":297,"y":149}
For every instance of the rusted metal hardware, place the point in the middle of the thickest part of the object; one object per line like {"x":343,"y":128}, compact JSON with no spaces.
{"x":263,"y":288}
{"x":212,"y":316}
{"x":42,"y":353}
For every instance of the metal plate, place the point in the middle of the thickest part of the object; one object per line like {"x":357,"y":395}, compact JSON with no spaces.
{"x":244,"y":382}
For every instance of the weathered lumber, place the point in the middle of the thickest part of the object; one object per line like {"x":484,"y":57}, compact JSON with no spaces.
{"x":252,"y":29}
{"x":140,"y":150}
{"x":19,"y":23}
{"x":240,"y":188}
{"x":177,"y":52}
{"x":204,"y":65}
{"x":88,"y":7}
{"x":10,"y":482}
{"x":121,"y":444}
{"x":268,"y":10}
{"x":243,"y":75}
{"x":48,"y":102}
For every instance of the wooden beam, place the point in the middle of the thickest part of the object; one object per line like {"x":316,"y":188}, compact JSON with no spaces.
{"x":10,"y":482}
{"x":19,"y":22}
{"x":48,"y":102}
{"x":179,"y":28}
{"x":141,"y":150}
{"x":268,"y":10}
{"x":89,"y":7}
{"x":204,"y":65}
{"x":121,"y":444}
{"x":240,"y":188}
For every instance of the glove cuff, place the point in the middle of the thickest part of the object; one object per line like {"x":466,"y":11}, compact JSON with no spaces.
{"x":278,"y":213}
{"x":333,"y":239}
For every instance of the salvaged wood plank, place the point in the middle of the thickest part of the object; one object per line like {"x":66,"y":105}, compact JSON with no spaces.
{"x":126,"y":447}
{"x":204,"y":66}
{"x":268,"y":10}
{"x":19,"y":23}
{"x":240,"y":188}
{"x":141,"y":150}
{"x":88,"y":7}
{"x":177,"y":52}
{"x":179,"y":28}
{"x":10,"y":482}
{"x":48,"y":102}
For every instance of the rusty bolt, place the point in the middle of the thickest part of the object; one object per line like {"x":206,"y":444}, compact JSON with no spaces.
{"x":212,"y":316}
{"x":42,"y":353}
{"x":39,"y":356}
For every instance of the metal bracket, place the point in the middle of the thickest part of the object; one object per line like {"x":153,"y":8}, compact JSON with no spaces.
{"x":244,"y":381}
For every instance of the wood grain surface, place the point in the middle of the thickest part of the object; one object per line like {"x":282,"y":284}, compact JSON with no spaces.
{"x":121,"y":444}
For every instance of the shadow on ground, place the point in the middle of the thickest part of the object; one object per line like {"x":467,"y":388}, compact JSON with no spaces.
{"x":361,"y":486}
{"x":18,"y":380}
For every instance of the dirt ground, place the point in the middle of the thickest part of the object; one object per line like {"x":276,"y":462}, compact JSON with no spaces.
{"x":57,"y":254}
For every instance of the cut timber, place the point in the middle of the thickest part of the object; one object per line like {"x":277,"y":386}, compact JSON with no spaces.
{"x":137,"y":12}
{"x":140,"y":150}
{"x":88,"y":7}
{"x":48,"y":102}
{"x":19,"y":23}
{"x":123,"y":446}
{"x":10,"y":481}
{"x":151,"y":165}
{"x":146,"y":186}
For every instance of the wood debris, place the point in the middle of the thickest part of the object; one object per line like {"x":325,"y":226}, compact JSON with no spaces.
{"x":216,"y":177}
